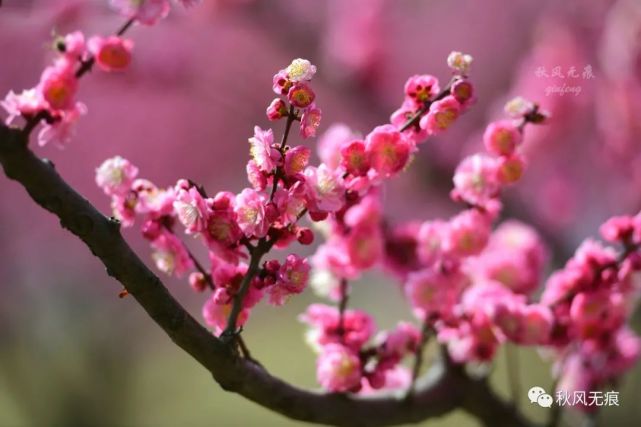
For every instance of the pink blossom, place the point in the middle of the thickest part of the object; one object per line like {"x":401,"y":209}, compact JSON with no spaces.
{"x":115,"y":175}
{"x":310,"y":121}
{"x":338,"y":369}
{"x":216,"y":315}
{"x":459,"y":62}
{"x":430,"y":241}
{"x":421,"y":88}
{"x":354,"y":158}
{"x":501,"y":137}
{"x":467,"y":233}
{"x":170,"y":255}
{"x":263,"y":151}
{"x":358,"y":326}
{"x":441,"y":115}
{"x":388,"y":150}
{"x":300,"y":95}
{"x":296,"y":160}
{"x":123,"y":207}
{"x":510,"y":169}
{"x":74,"y":46}
{"x":618,"y":228}
{"x":277,"y":110}
{"x":403,"y":339}
{"x":27,"y":103}
{"x":112,"y":53}
{"x":147,"y":12}
{"x":475,"y":180}
{"x":326,"y":188}
{"x":290,"y":203}
{"x":330,"y":143}
{"x":58,"y":86}
{"x":292,"y":278}
{"x":63,"y":129}
{"x":256,"y":177}
{"x":364,"y":247}
{"x":432,"y":292}
{"x":463,"y":91}
{"x":249,"y":206}
{"x":281,"y":83}
{"x":191,"y":210}
{"x":300,"y":70}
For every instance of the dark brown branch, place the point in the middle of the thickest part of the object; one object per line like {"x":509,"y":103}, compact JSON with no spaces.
{"x":442,"y":390}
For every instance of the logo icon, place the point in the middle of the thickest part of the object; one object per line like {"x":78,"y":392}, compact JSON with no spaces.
{"x":538,"y":395}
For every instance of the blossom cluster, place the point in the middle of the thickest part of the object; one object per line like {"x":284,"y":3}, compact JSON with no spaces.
{"x":470,"y":284}
{"x":53,"y":99}
{"x":592,"y":298}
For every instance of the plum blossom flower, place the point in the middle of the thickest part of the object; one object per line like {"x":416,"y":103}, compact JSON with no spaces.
{"x":276,"y":110}
{"x":388,"y":150}
{"x":170,"y":255}
{"x":296,"y":160}
{"x":475,"y":180}
{"x":300,"y":70}
{"x":292,"y":278}
{"x":58,"y":86}
{"x":115,"y":175}
{"x":441,"y":115}
{"x":354,"y":158}
{"x":262,"y":150}
{"x":216,"y":315}
{"x":300,"y":95}
{"x":310,"y":121}
{"x":467,"y":233}
{"x":26,"y":103}
{"x":501,"y":137}
{"x":460,"y":62}
{"x":61,"y":131}
{"x":330,"y":143}
{"x":421,"y":88}
{"x":338,"y":369}
{"x":191,"y":210}
{"x":249,"y":207}
{"x":326,"y":188}
{"x":112,"y":53}
{"x":518,"y":107}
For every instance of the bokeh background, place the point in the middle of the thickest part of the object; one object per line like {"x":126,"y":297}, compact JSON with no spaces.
{"x":73,"y":354}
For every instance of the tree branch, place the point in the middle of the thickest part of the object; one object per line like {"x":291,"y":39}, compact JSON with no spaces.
{"x":442,"y":390}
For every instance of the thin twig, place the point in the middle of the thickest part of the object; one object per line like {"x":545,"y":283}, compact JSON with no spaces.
{"x":342,"y":306}
{"x":418,"y":356}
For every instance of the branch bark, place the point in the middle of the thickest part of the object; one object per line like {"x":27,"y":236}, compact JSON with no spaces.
{"x":443,"y":389}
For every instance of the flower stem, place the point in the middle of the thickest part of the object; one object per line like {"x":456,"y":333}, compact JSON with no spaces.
{"x":418,"y":356}
{"x":230,"y":333}
{"x":342,"y":306}
{"x":281,"y":148}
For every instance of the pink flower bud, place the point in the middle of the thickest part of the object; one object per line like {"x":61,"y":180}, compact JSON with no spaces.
{"x":305,"y":236}
{"x":197,"y":281}
{"x":277,"y":110}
